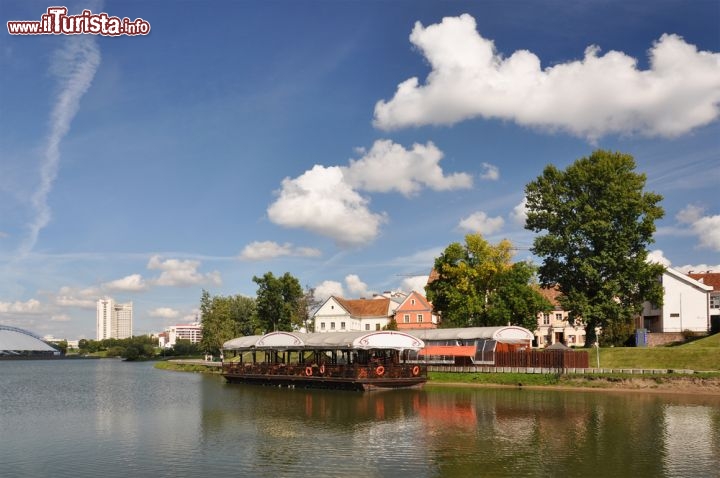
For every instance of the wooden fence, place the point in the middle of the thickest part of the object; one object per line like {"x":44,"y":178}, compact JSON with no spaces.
{"x":543,"y":359}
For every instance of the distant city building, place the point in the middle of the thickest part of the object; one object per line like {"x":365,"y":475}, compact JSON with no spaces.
{"x":191,"y":332}
{"x":114,"y":321}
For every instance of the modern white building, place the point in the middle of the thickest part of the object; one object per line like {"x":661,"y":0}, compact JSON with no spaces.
{"x":686,"y":305}
{"x":191,"y":332}
{"x":113,"y":320}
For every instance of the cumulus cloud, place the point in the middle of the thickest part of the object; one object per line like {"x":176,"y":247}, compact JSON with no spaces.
{"x":164,"y":312}
{"x":329,"y":288}
{"x":519,"y":213}
{"x":31,"y":306}
{"x":658,"y":257}
{"x":181,"y":273}
{"x":415,"y":283}
{"x":84,"y":298}
{"x":261,"y":250}
{"x":327,"y":200}
{"x":481,"y":223}
{"x":706,"y":228}
{"x":357,"y":287}
{"x":320,"y":200}
{"x":131,"y":283}
{"x":698,"y":268}
{"x":598,"y":95}
{"x":389,"y":167}
{"x":490,"y":172}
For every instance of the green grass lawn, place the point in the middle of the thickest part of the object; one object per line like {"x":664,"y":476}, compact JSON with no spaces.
{"x":702,"y":354}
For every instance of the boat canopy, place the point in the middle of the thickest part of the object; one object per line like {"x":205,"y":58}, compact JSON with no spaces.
{"x":381,"y":339}
{"x":505,"y":334}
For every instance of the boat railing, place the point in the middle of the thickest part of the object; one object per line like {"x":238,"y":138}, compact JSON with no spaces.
{"x":346,"y":371}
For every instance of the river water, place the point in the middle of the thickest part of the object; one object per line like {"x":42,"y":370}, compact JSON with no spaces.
{"x":90,"y":418}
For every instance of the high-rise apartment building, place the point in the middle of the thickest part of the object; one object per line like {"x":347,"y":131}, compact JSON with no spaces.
{"x":114,"y":321}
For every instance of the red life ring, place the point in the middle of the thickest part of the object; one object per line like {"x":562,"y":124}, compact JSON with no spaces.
{"x":379,"y":371}
{"x":308,"y":371}
{"x":415,"y":371}
{"x":322,"y":368}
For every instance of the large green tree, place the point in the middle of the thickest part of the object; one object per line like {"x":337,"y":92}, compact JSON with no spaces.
{"x":224,"y":318}
{"x":478,"y":285}
{"x":595,"y":221}
{"x":278,"y":302}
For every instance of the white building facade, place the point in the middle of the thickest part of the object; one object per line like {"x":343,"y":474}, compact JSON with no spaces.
{"x":113,"y":320}
{"x":686,"y":305}
{"x":191,"y":332}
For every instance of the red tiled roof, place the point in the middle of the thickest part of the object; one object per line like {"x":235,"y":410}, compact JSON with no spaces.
{"x":708,"y":278}
{"x":551,"y":294}
{"x":377,"y":307}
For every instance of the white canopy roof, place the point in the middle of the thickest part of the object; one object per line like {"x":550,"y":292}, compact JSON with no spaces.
{"x":382,"y":339}
{"x":503,"y":334}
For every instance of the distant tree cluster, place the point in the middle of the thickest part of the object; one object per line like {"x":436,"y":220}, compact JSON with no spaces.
{"x":133,"y":348}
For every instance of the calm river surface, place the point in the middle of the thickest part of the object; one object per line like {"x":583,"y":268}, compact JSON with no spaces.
{"x":90,"y":418}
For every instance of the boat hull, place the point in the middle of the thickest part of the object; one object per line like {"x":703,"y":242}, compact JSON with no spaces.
{"x":332,"y":383}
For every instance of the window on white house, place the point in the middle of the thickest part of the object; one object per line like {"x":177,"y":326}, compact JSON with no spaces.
{"x":322,"y":325}
{"x":546,"y":319}
{"x":377,"y":326}
{"x":715,"y":301}
{"x":332,"y":325}
{"x":342,"y":325}
{"x":558,"y":317}
{"x":367,"y":326}
{"x":406,"y":318}
{"x":420,"y":318}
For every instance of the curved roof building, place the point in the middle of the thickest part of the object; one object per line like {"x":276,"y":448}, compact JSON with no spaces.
{"x":15,"y":342}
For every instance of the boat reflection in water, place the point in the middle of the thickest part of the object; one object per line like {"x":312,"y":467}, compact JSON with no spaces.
{"x":340,"y":360}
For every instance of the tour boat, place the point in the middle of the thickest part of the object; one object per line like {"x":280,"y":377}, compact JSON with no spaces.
{"x":370,"y":360}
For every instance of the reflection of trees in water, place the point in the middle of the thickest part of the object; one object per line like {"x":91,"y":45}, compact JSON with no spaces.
{"x":448,"y":432}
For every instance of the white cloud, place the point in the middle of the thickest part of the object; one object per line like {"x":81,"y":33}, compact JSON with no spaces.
{"x":519,"y":213}
{"x":658,"y":257}
{"x":75,"y":66}
{"x":415,"y":283}
{"x":72,"y":301}
{"x":60,"y":318}
{"x":390,"y":167}
{"x":31,"y":306}
{"x":481,"y":223}
{"x":698,"y":268}
{"x":180,"y":273}
{"x":490,"y":172}
{"x":356,"y":286}
{"x":321,"y":201}
{"x":327,"y":288}
{"x":706,"y":228}
{"x":591,"y":97}
{"x":4,"y":235}
{"x":164,"y":312}
{"x":131,"y":283}
{"x":256,"y":251}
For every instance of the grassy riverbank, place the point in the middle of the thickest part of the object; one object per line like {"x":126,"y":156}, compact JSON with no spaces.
{"x":186,"y":367}
{"x":702,"y":354}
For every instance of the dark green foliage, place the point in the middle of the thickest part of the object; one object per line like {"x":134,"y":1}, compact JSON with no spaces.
{"x":595,"y":223}
{"x":278,"y":302}
{"x":224,"y":318}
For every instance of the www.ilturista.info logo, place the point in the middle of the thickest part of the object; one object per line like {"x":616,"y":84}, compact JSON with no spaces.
{"x":57,"y":22}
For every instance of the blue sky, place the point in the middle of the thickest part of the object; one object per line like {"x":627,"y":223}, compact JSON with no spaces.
{"x":344,"y":142}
